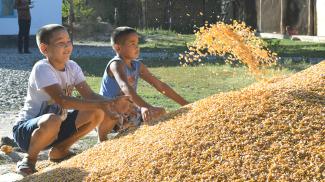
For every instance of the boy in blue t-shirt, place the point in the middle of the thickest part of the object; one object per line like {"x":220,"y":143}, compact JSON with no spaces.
{"x":121,"y":78}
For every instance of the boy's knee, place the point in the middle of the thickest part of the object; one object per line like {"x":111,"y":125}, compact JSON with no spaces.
{"x":98,"y":116}
{"x":53,"y":123}
{"x":108,"y":121}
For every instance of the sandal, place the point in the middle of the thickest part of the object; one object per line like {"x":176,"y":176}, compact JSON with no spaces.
{"x":24,"y":168}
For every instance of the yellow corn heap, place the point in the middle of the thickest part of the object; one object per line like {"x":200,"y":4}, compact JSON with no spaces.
{"x":267,"y":132}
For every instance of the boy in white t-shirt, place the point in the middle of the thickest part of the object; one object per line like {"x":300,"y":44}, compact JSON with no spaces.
{"x":44,"y":121}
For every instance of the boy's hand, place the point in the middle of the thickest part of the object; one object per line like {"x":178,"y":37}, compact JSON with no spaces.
{"x":158,"y":111}
{"x":122,"y":105}
{"x":145,"y":113}
{"x":149,"y":114}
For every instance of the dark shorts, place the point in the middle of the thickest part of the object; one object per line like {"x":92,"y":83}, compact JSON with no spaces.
{"x":22,"y":131}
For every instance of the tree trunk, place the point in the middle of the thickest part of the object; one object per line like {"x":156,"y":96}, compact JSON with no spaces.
{"x":168,"y":14}
{"x":143,"y":13}
{"x":282,"y":26}
{"x":203,"y":11}
{"x":225,"y":10}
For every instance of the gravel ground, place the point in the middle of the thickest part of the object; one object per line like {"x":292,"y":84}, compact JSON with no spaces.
{"x":14,"y":72}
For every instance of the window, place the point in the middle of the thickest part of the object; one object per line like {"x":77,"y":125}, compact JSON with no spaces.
{"x":7,"y":8}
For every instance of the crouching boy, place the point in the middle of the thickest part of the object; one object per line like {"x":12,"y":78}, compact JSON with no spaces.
{"x":45,"y":121}
{"x":121,"y":78}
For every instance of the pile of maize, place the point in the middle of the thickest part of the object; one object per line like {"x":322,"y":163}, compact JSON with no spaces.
{"x":272,"y":130}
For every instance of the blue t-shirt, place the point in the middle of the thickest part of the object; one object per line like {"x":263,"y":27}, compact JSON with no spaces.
{"x":109,"y":86}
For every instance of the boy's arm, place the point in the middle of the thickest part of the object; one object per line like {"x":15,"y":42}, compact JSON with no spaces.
{"x":161,"y":86}
{"x":117,"y":69}
{"x":68,"y":102}
{"x":86,"y":92}
{"x":120,"y":104}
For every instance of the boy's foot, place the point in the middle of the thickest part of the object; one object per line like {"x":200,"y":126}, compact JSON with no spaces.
{"x":25,"y":167}
{"x":56,"y":155}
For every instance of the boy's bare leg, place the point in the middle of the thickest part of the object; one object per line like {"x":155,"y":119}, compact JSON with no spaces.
{"x":85,"y":122}
{"x":45,"y":134}
{"x":106,"y":126}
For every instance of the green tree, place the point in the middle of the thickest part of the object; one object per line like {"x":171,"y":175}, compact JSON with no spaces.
{"x":80,"y":9}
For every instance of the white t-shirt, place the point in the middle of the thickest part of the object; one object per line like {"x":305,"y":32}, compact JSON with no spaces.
{"x":43,"y":74}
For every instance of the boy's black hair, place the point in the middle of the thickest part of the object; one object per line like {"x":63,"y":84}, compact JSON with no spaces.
{"x":44,"y":34}
{"x":118,"y":35}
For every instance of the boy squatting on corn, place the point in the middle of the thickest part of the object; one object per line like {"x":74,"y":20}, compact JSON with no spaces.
{"x":44,"y":121}
{"x":121,"y":78}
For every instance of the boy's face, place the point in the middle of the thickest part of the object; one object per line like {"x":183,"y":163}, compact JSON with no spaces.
{"x":59,"y":48}
{"x":129,"y":49}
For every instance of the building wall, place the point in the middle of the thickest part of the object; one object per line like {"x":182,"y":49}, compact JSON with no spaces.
{"x":272,"y":16}
{"x":320,"y":17}
{"x":180,"y":15}
{"x":44,"y":12}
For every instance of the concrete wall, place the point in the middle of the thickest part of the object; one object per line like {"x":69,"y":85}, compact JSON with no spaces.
{"x":44,"y":12}
{"x":320,"y":17}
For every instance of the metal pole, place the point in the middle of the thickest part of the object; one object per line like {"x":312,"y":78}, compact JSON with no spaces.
{"x":260,"y":13}
{"x":281,"y":17}
{"x":309,"y":18}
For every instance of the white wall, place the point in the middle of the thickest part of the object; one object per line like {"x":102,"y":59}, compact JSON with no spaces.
{"x":320,"y":17}
{"x":44,"y":12}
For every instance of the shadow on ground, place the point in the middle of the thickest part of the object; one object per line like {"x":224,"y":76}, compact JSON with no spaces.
{"x":58,"y":174}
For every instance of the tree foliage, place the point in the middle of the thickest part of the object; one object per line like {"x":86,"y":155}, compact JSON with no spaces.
{"x":81,"y":9}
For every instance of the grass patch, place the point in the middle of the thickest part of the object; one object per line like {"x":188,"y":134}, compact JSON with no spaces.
{"x":292,"y":48}
{"x":195,"y":83}
{"x":158,"y":40}
{"x":293,"y":66}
